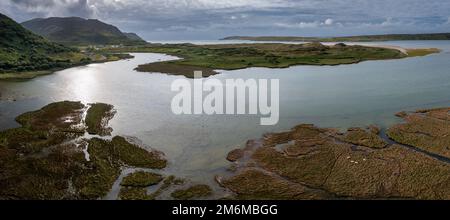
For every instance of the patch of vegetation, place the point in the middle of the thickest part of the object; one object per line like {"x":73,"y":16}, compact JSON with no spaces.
{"x":140,"y":192}
{"x":425,"y":129}
{"x":97,"y":118}
{"x":192,"y":192}
{"x":141,"y":179}
{"x":44,"y":159}
{"x":134,"y":193}
{"x":256,"y":185}
{"x":363,"y":137}
{"x":62,"y":116}
{"x":238,"y":56}
{"x":313,"y":163}
{"x":101,"y":171}
{"x":175,"y":69}
{"x":136,"y":156}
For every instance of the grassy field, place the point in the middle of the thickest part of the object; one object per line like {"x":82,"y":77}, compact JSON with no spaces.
{"x":238,"y":56}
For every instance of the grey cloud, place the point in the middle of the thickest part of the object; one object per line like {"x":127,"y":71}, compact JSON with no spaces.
{"x":34,"y":3}
{"x":205,"y":19}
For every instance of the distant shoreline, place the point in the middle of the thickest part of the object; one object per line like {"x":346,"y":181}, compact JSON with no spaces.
{"x":362,"y":38}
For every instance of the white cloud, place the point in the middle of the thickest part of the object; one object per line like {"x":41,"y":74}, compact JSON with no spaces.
{"x":313,"y":24}
{"x":329,"y":21}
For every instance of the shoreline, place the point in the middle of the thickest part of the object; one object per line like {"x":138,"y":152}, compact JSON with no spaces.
{"x":29,"y":75}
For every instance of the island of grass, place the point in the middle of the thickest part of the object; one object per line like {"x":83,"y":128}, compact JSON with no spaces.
{"x":141,"y":179}
{"x":97,"y":117}
{"x":134,"y":186}
{"x":209,"y":58}
{"x":48,"y":157}
{"x":308,"y":162}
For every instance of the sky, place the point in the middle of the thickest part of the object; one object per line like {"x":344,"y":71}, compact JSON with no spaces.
{"x":214,"y":19}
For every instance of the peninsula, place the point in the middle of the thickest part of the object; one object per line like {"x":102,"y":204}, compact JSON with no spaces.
{"x":211,"y":58}
{"x":362,"y":38}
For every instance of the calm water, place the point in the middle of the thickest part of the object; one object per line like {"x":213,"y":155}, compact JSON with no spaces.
{"x":196,"y":146}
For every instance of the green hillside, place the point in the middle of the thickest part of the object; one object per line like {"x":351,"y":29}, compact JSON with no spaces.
{"x":80,"y":31}
{"x":21,"y":50}
{"x":25,"y":55}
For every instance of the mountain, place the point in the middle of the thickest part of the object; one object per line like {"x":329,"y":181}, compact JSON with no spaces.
{"x":133,"y":36}
{"x":388,"y":37}
{"x":80,"y":31}
{"x":21,"y":50}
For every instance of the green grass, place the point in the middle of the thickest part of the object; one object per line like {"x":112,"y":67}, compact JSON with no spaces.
{"x":133,"y":155}
{"x":25,"y":55}
{"x":134,"y":193}
{"x":97,"y":118}
{"x":141,"y":179}
{"x":239,"y":56}
{"x":43,"y":160}
{"x":197,"y":191}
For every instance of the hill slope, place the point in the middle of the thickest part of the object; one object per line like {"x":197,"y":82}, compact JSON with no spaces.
{"x":133,"y":36}
{"x":80,"y":31}
{"x":21,"y":50}
{"x":25,"y":55}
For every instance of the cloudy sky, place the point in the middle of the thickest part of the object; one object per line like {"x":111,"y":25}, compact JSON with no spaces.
{"x":212,"y":19}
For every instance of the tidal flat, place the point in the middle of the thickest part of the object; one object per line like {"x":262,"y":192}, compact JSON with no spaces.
{"x":49,"y":157}
{"x":60,"y":152}
{"x":308,"y":162}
